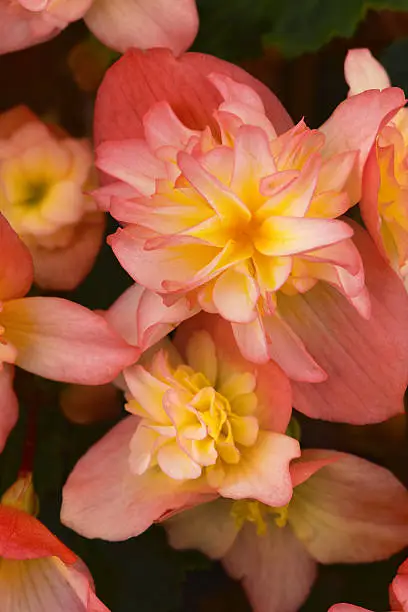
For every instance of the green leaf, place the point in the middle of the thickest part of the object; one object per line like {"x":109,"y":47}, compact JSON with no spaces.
{"x":238,"y":29}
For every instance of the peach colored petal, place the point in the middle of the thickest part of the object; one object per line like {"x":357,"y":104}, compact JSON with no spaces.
{"x":103,"y":499}
{"x":276,"y":571}
{"x":399,"y":589}
{"x":235,"y":295}
{"x":209,"y":528}
{"x":144,"y":24}
{"x":350,"y":511}
{"x":354,"y":126}
{"x":263,"y":471}
{"x":363,"y":71}
{"x":63,"y":269}
{"x":64,"y":341}
{"x":365,"y":360}
{"x":16,"y":270}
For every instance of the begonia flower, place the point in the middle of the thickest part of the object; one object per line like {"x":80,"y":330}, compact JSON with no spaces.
{"x":385,"y":181}
{"x":37,"y":571}
{"x":120,"y":24}
{"x":205,"y":424}
{"x":48,"y":336}
{"x":398,"y":594}
{"x":44,"y":177}
{"x":230,"y":208}
{"x":344,"y":510}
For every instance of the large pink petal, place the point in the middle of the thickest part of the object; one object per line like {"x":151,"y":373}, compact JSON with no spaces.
{"x":343,"y":607}
{"x":64,"y":341}
{"x":354,"y":126}
{"x":104,"y":499}
{"x":144,"y":23}
{"x":62,"y":269}
{"x":16,"y":268}
{"x":350,"y":511}
{"x":209,"y":528}
{"x":277,"y":572}
{"x":363,"y":71}
{"x":366,"y":361}
{"x":138,"y":80}
{"x":20,"y":28}
{"x":272,"y":386}
{"x":8,"y":403}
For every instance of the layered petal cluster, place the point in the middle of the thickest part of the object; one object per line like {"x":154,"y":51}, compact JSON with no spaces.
{"x":229,"y":208}
{"x":205,"y":424}
{"x":50,"y":337}
{"x":37,"y":571}
{"x":398,"y":594}
{"x":344,"y":510}
{"x":120,"y":24}
{"x":44,"y":177}
{"x":385,"y":181}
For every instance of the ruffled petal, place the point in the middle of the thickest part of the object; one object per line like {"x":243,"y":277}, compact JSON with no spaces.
{"x":363,"y":72}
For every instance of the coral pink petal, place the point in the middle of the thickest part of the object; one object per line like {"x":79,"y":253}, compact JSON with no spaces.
{"x":23,"y":537}
{"x":144,"y":23}
{"x":399,"y":589}
{"x":363,"y":71}
{"x":139,"y":80}
{"x":354,"y":126}
{"x":272,"y":386}
{"x":63,"y":269}
{"x":20,"y":29}
{"x":276,"y":571}
{"x":16,"y":271}
{"x":104,"y":499}
{"x":207,"y":64}
{"x":209,"y":528}
{"x":310,"y":462}
{"x":351,"y":511}
{"x":366,"y":361}
{"x":8,"y":403}
{"x":64,"y":341}
{"x":343,"y":607}
{"x":263,"y":472}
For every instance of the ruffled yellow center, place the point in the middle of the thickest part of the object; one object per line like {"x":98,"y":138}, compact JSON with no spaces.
{"x":192,"y":421}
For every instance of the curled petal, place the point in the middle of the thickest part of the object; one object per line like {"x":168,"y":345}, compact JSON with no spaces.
{"x":363,"y":71}
{"x":16,"y":270}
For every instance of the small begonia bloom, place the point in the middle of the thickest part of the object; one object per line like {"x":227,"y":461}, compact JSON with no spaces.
{"x":385,"y":180}
{"x":44,"y":177}
{"x":344,"y":510}
{"x":120,"y":24}
{"x":37,"y":571}
{"x":205,"y":423}
{"x":228,"y":207}
{"x":398,"y":594}
{"x":52,"y":337}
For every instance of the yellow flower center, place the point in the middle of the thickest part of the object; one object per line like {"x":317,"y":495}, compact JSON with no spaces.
{"x":257,"y":513}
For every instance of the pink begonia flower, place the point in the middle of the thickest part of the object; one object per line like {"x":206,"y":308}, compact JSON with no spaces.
{"x":385,"y":179}
{"x":44,"y":177}
{"x":37,"y":571}
{"x":119,"y":24}
{"x":205,"y":423}
{"x":50,"y":337}
{"x":229,"y":208}
{"x":344,"y":510}
{"x":398,"y":594}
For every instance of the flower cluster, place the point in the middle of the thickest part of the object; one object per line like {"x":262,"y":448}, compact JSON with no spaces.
{"x":255,"y":294}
